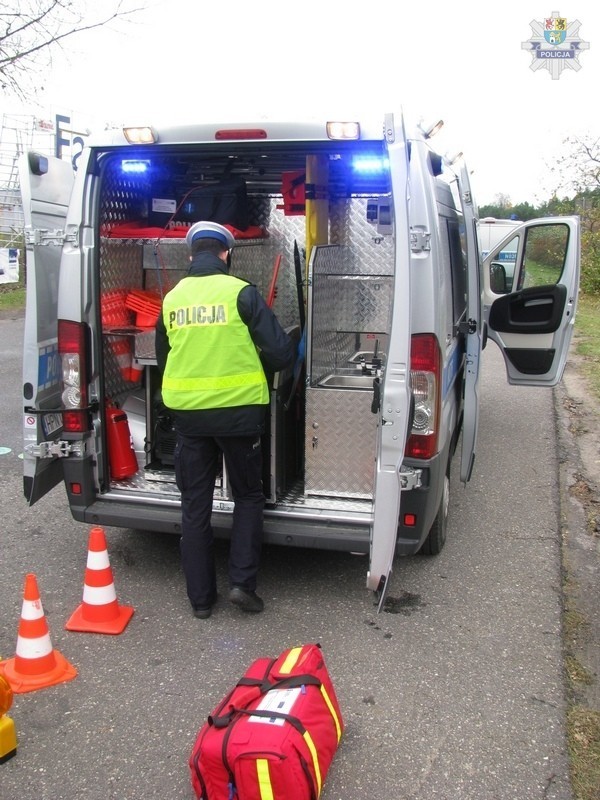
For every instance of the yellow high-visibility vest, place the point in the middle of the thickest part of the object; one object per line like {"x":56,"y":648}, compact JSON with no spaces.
{"x":213,"y":362}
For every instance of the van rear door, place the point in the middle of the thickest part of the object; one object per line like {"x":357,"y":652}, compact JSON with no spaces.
{"x":394,"y":403}
{"x":533,"y":322}
{"x":46,"y":185}
{"x":473,"y":329}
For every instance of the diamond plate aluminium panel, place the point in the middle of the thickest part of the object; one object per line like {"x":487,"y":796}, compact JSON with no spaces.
{"x":346,"y":311}
{"x":341,"y":436}
{"x":121,"y":271}
{"x":368,"y":252}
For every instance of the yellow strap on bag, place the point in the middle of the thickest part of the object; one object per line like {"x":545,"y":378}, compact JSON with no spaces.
{"x":264,"y":779}
{"x":290,"y":661}
{"x":329,"y":704}
{"x":315,"y":758}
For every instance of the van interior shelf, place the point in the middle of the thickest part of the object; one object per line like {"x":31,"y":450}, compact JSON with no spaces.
{"x":254,"y":234}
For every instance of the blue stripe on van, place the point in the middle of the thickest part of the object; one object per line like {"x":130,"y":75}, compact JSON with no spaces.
{"x":451,"y":367}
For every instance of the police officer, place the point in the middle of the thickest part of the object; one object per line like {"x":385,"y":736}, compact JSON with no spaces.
{"x":215,"y":338}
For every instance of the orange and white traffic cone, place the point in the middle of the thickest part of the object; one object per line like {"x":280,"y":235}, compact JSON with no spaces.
{"x":36,"y":663}
{"x":99,"y":612}
{"x":121,"y":349}
{"x":136,"y":371}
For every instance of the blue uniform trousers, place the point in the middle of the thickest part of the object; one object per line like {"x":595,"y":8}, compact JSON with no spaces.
{"x":196,"y":466}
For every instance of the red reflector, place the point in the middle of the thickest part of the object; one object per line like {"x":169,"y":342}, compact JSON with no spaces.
{"x":421,"y":446}
{"x":241,"y":133}
{"x":425,"y":353}
{"x":75,"y":488}
{"x":75,"y":421}
{"x":410,"y":520}
{"x":71,"y":337}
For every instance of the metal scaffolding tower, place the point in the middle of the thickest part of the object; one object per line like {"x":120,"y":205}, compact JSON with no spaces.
{"x":18,"y":134}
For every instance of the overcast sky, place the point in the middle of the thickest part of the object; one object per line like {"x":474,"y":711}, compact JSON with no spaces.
{"x":223,"y":59}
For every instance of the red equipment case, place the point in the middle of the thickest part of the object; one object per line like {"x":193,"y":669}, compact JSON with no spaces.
{"x":274,"y":735}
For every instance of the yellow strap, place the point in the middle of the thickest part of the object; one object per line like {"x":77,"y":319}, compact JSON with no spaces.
{"x":264,"y":779}
{"x":338,"y":727}
{"x":290,"y":662}
{"x":313,"y":751}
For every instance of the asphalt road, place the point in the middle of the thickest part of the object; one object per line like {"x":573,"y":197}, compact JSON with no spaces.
{"x":455,"y":693}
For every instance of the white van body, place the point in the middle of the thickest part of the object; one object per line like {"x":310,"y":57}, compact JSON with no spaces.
{"x":380,"y":281}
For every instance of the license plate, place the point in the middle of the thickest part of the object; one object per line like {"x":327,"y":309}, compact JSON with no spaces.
{"x":51,"y":423}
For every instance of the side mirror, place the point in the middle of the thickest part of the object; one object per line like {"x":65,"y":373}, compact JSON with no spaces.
{"x":498,"y":278}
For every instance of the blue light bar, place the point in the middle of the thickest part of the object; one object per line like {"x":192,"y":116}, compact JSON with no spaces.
{"x":370,"y":165}
{"x":135,"y":166}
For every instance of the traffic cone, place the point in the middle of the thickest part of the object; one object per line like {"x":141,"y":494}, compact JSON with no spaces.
{"x":36,"y":664}
{"x":121,"y":349}
{"x":135,"y":371}
{"x":99,"y":612}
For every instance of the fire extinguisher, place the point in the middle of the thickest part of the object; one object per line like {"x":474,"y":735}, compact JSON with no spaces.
{"x":121,"y":454}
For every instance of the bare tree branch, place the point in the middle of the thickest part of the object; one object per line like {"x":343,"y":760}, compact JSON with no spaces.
{"x":31,"y":27}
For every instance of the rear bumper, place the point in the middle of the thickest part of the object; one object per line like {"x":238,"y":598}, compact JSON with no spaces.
{"x":321,"y":531}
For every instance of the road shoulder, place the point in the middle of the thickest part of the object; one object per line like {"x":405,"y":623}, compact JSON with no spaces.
{"x":578,"y":419}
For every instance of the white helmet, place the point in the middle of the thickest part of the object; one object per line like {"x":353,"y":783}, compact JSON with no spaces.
{"x":210,"y":230}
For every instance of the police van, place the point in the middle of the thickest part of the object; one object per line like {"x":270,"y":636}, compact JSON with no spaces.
{"x":364,"y":241}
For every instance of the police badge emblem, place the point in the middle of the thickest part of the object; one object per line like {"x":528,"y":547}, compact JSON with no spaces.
{"x":555,"y":45}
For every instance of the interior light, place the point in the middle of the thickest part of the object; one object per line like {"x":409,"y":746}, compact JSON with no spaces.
{"x":343,"y":130}
{"x":143,"y":135}
{"x":135,"y":166}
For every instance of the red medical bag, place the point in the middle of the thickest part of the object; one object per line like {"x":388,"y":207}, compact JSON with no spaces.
{"x":274,"y":735}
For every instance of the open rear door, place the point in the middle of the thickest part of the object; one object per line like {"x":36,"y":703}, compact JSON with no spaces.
{"x":531,"y":317}
{"x":46,"y":185}
{"x":395,"y":400}
{"x":473,"y":328}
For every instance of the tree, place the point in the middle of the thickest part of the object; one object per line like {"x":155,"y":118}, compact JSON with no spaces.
{"x":31,"y":30}
{"x":579,"y":170}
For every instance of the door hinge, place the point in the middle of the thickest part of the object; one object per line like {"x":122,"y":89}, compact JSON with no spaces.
{"x":420,"y":240}
{"x":55,"y":449}
{"x":37,"y":236}
{"x":410,"y":478}
{"x":467,"y":326}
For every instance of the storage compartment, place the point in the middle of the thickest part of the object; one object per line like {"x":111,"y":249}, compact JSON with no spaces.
{"x":349,"y":318}
{"x":143,"y":254}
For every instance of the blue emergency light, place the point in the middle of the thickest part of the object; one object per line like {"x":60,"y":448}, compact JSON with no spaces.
{"x":135,"y":166}
{"x":370,"y":165}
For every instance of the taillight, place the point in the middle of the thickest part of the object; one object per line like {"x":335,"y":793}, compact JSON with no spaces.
{"x":71,"y":349}
{"x":425,"y":383}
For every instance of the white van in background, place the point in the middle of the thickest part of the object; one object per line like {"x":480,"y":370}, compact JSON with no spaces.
{"x":492,"y":231}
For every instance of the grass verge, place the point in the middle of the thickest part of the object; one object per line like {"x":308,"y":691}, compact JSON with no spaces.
{"x":583,"y":723}
{"x":12,"y":296}
{"x":583,"y":726}
{"x":587,"y":340}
